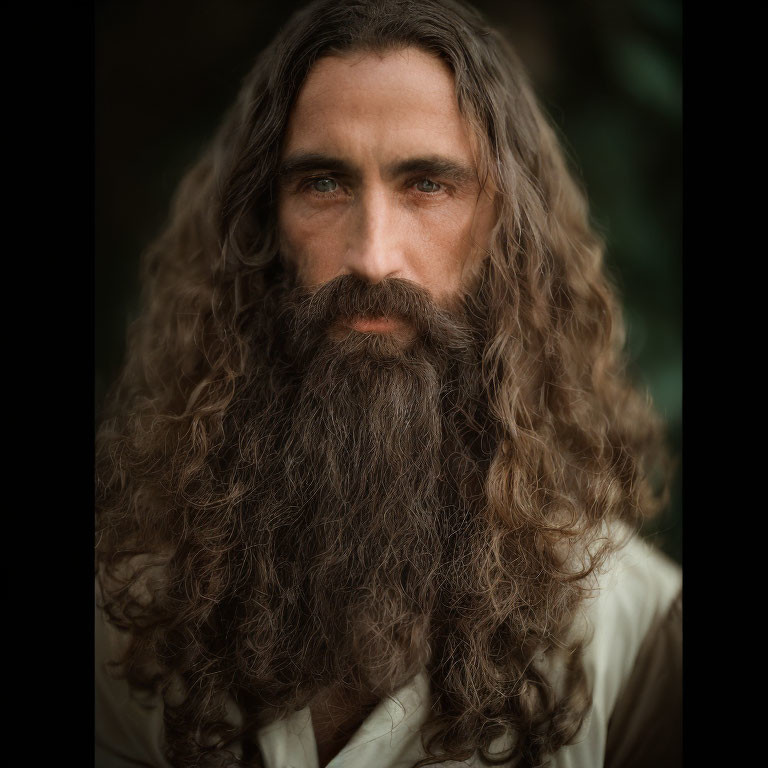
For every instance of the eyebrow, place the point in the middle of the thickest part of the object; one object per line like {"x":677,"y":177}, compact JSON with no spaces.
{"x":440,"y":166}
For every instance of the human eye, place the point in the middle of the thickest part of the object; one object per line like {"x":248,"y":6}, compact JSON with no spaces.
{"x":427,"y":186}
{"x":324,"y":185}
{"x":321,"y":186}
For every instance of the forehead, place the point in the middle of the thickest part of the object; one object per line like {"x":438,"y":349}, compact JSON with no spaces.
{"x":390,"y":104}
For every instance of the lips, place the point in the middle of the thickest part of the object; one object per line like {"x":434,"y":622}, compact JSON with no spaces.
{"x":375,"y":324}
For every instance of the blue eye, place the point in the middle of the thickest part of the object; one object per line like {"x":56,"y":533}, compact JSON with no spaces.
{"x":426,"y":185}
{"x":324,"y":185}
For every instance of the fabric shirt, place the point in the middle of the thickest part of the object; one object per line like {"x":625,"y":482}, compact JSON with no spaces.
{"x":632,"y":657}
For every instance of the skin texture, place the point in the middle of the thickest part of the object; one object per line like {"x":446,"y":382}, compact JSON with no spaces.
{"x":398,"y":192}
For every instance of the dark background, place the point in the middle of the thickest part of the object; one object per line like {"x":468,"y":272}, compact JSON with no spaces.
{"x":608,"y":72}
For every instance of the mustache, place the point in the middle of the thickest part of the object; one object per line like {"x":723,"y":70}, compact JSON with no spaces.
{"x":310,"y":312}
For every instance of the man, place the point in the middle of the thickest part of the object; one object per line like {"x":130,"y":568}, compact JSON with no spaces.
{"x":367,"y":486}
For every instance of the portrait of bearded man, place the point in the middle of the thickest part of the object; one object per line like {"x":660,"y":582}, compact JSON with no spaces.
{"x":369,"y":484}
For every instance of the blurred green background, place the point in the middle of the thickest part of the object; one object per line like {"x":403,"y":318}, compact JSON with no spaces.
{"x":608,"y":73}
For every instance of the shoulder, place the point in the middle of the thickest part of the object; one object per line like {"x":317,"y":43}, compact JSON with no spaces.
{"x":631,"y":619}
{"x":128,"y":729}
{"x":129,"y":724}
{"x":633,"y":592}
{"x":645,"y":728}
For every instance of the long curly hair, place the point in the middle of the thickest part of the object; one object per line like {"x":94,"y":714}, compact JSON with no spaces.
{"x":542,"y":443}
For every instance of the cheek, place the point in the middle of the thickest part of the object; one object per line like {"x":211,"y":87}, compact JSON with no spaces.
{"x":447,"y":250}
{"x":309,"y":244}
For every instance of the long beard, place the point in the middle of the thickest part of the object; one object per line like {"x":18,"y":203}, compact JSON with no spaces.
{"x":360,"y":443}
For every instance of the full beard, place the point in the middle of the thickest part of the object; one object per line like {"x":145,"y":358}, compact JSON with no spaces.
{"x":366,"y":472}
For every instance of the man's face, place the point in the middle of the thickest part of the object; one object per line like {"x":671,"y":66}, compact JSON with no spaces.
{"x":379,"y":179}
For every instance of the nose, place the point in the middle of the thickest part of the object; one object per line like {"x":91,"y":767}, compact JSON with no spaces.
{"x":375,"y":249}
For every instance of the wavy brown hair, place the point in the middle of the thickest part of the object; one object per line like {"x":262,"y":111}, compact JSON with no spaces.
{"x":527,"y":443}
